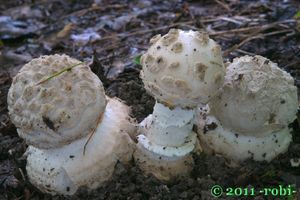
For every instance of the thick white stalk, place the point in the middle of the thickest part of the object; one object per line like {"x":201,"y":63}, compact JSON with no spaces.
{"x":165,"y":142}
{"x":168,"y":127}
{"x":168,"y":131}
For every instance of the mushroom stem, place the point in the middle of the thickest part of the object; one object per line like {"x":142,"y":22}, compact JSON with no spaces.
{"x":168,"y":127}
{"x":166,"y":142}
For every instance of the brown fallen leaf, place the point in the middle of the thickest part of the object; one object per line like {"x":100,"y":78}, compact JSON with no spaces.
{"x":65,"y":31}
{"x":54,"y":39}
{"x":116,"y":68}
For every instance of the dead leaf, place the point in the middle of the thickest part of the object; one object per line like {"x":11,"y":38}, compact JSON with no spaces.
{"x":65,"y":31}
{"x":54,"y":39}
{"x":116,"y":68}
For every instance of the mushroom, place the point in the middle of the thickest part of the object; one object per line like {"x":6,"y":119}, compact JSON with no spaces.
{"x":250,"y":117}
{"x":75,"y":133}
{"x":180,"y":69}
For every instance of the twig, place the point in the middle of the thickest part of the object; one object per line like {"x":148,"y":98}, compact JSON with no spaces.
{"x":92,"y":133}
{"x":278,"y":32}
{"x":237,"y":30}
{"x":295,"y":63}
{"x":245,"y":52}
{"x":224,"y":5}
{"x":93,"y":8}
{"x":5,"y":125}
{"x":261,"y":36}
{"x":261,"y":27}
{"x":58,"y":73}
{"x":231,"y":20}
{"x":22,"y":174}
{"x":139,"y":32}
{"x":226,"y":52}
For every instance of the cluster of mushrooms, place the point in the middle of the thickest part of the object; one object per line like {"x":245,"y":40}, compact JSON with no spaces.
{"x":76,"y":134}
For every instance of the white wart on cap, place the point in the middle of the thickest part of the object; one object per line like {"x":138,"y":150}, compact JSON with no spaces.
{"x":57,"y":111}
{"x":257,"y":98}
{"x":183,"y":68}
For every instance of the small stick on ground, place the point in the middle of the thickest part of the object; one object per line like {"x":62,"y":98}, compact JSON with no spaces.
{"x":245,"y":52}
{"x":226,"y":52}
{"x":139,"y":32}
{"x":224,"y":5}
{"x":254,"y":36}
{"x":22,"y":174}
{"x":259,"y":28}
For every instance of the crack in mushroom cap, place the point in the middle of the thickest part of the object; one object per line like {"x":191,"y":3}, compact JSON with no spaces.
{"x":183,"y":68}
{"x":60,"y":110}
{"x":257,"y":98}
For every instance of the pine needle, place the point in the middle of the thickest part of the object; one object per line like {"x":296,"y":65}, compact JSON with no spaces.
{"x":58,"y":73}
{"x":92,"y":133}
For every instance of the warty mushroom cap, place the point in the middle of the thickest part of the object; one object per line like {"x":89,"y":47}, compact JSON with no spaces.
{"x":183,"y":68}
{"x":57,"y":111}
{"x":257,"y":98}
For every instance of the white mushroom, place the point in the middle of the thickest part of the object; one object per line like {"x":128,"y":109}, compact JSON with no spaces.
{"x":76,"y":134}
{"x":180,"y":69}
{"x":57,"y":111}
{"x":250,"y":117}
{"x":63,"y":170}
{"x":183,"y":68}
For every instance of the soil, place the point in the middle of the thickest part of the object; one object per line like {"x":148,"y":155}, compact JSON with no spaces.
{"x":265,"y":27}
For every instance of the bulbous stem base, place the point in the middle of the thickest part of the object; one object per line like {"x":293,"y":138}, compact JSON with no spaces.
{"x":165,"y":143}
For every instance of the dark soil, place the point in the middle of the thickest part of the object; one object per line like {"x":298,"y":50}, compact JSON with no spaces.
{"x":266,"y":27}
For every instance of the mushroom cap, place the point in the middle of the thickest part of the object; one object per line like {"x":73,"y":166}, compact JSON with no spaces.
{"x":183,"y":68}
{"x":257,"y":98}
{"x":65,"y":169}
{"x":57,"y":111}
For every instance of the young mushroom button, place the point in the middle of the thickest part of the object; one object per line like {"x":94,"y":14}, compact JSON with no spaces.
{"x":55,"y":112}
{"x":181,"y":70}
{"x":76,"y":134}
{"x":252,"y":113}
